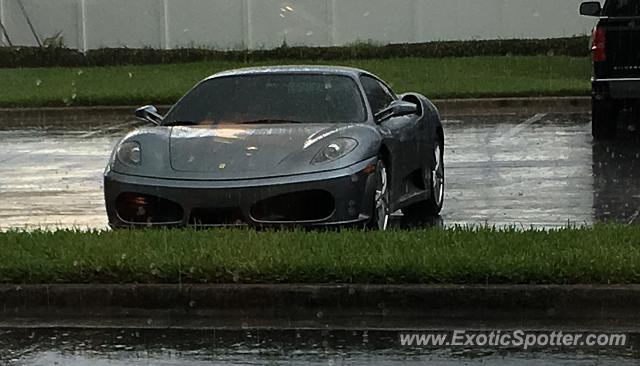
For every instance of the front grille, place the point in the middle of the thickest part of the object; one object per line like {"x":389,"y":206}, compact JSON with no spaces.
{"x":210,"y":216}
{"x":309,"y":206}
{"x":141,"y":208}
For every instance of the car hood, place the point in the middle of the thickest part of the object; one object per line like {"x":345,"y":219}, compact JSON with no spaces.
{"x":257,"y":151}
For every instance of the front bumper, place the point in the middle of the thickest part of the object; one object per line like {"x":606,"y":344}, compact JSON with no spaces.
{"x":616,"y":88}
{"x":339,"y":197}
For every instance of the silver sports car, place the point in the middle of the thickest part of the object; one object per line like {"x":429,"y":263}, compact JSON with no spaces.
{"x":290,"y":145}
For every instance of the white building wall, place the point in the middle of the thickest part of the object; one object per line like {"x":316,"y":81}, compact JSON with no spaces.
{"x":48,"y":18}
{"x":120,"y":23}
{"x":263,"y":24}
{"x":206,"y":23}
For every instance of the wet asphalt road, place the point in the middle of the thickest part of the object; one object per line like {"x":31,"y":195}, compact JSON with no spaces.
{"x":250,"y":347}
{"x":522,"y":170}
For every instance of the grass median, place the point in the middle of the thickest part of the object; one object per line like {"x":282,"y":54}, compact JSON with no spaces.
{"x":604,"y":254}
{"x":460,"y":77}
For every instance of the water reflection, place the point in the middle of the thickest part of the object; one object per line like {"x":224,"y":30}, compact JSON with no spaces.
{"x":616,"y":182}
{"x":400,"y":222}
{"x":271,"y":347}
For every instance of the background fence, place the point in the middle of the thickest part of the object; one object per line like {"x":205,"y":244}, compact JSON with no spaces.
{"x":255,"y":24}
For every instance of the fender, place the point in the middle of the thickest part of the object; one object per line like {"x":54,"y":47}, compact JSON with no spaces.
{"x":430,"y":119}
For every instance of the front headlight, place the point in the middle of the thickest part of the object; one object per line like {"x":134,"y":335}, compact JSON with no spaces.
{"x":128,"y":153}
{"x":335,"y":150}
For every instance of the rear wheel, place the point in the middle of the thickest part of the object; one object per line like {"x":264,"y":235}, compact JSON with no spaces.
{"x":433,"y":179}
{"x":604,"y":115}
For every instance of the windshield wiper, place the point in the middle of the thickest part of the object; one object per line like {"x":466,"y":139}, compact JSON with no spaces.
{"x":180,"y":123}
{"x":269,"y":120}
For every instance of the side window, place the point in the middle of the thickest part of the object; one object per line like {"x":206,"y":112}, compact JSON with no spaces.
{"x":378,"y":95}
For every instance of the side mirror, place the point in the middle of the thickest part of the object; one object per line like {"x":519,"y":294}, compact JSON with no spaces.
{"x":591,"y":8}
{"x":397,"y":108}
{"x":149,"y":113}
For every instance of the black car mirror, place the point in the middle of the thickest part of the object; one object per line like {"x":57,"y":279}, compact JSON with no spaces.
{"x":149,"y":113}
{"x":397,"y":108}
{"x":591,"y":8}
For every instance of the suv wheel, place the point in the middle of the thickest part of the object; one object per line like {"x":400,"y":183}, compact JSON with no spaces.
{"x":604,"y":115}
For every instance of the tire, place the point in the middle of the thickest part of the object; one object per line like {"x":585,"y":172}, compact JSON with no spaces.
{"x":381,"y":215}
{"x":434,"y":179}
{"x":604,"y":115}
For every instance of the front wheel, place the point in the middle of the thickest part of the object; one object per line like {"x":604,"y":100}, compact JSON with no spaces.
{"x":433,"y":180}
{"x":381,"y":210}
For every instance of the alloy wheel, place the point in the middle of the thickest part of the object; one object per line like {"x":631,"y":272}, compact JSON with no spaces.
{"x":382,"y":198}
{"x":437,"y":177}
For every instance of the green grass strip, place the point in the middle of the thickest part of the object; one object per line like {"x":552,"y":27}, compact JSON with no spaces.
{"x":604,"y":254}
{"x":487,"y":76}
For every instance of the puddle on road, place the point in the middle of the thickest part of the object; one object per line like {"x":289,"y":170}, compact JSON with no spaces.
{"x":292,"y":347}
{"x":546,"y":174}
{"x":53,"y":178}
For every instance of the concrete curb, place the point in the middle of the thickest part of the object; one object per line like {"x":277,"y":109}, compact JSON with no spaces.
{"x":377,"y":306}
{"x":499,"y":106}
{"x":447,"y":107}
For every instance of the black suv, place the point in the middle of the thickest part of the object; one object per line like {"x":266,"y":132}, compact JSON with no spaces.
{"x":616,"y":62}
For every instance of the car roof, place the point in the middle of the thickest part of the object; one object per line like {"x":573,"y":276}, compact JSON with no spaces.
{"x":292,"y":69}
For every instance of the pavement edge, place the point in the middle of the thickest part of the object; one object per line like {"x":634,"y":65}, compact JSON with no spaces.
{"x":447,"y":107}
{"x":361,"y":305}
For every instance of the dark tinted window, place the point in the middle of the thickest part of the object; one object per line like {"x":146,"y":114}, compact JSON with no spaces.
{"x":293,"y":97}
{"x":622,"y":8}
{"x":377,"y":94}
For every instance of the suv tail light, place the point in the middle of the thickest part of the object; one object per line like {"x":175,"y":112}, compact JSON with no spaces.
{"x":599,"y":45}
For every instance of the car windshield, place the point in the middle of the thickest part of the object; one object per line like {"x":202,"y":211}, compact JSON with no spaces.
{"x":622,"y":8}
{"x":301,"y":98}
